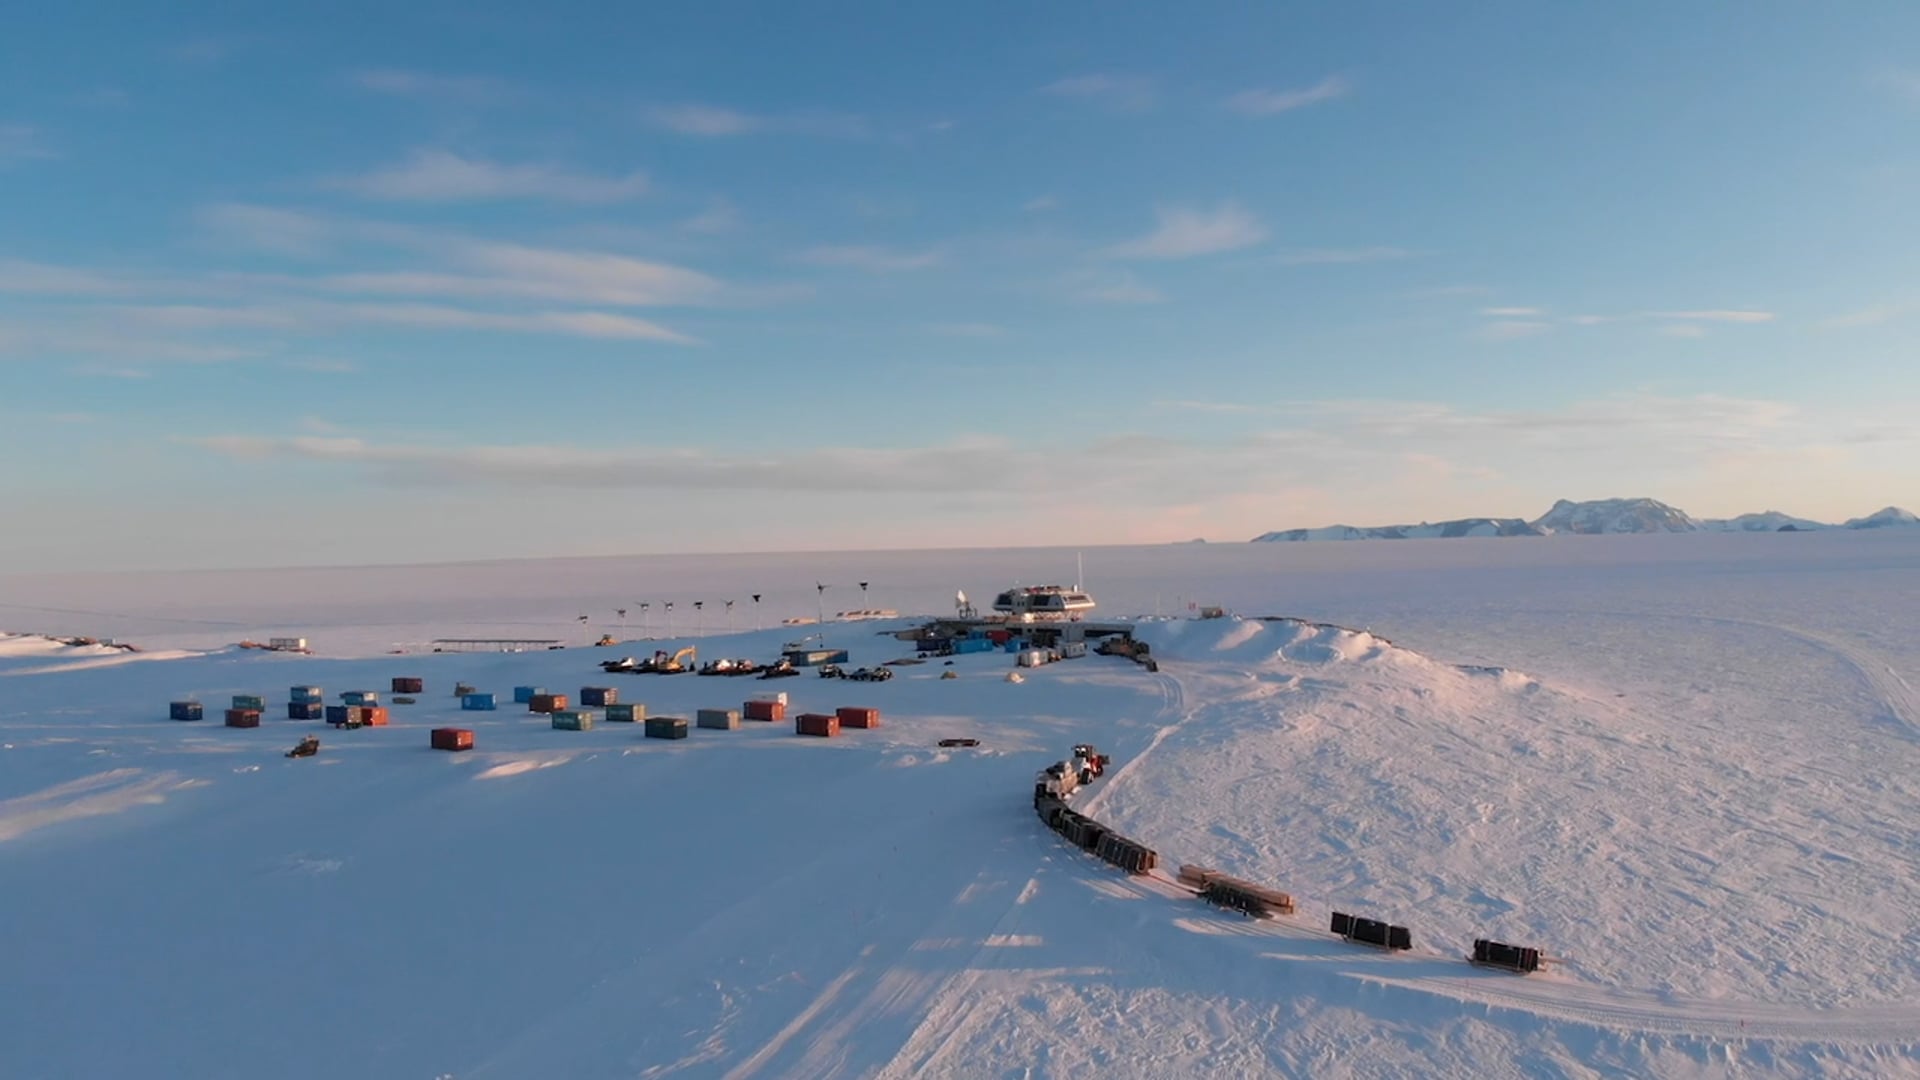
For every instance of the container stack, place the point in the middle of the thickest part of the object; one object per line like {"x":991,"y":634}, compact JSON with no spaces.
{"x":766,"y":709}
{"x":306,"y":695}
{"x":452,"y":738}
{"x":185,"y":710}
{"x":599,"y":696}
{"x":249,"y":701}
{"x":666,"y":727}
{"x":403,"y":684}
{"x":626,"y":714}
{"x":572,"y":720}
{"x":718,"y":719}
{"x":854,"y":717}
{"x":474,"y":701}
{"x":547,"y":703}
{"x":305,"y":710}
{"x":824,"y":725}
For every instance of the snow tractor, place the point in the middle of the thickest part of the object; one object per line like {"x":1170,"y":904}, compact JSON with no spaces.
{"x":1089,"y":763}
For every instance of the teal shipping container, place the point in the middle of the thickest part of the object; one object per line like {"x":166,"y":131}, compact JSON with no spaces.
{"x":626,"y":713}
{"x":572,"y":720}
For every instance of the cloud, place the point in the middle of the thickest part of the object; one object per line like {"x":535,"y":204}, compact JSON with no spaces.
{"x":968,"y":330}
{"x":441,"y":176}
{"x":1043,"y":202}
{"x":1186,"y":232}
{"x":965,"y":465}
{"x":1332,"y":256}
{"x":876,"y":260}
{"x":500,"y":270}
{"x":1270,"y":102}
{"x":717,"y":122}
{"x":323,"y":314}
{"x":1684,"y":330}
{"x":1124,"y":92}
{"x":1717,"y":315}
{"x":1903,"y":82}
{"x":422,"y":86}
{"x":203,"y":50}
{"x":266,"y":229}
{"x":22,"y":277}
{"x":20,"y":143}
{"x":1512,"y":312}
{"x":1112,"y":288}
{"x":1513,"y":330}
{"x":1874,"y":316}
{"x":720,"y":216}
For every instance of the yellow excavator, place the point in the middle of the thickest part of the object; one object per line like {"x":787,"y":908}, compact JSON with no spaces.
{"x":662,"y":664}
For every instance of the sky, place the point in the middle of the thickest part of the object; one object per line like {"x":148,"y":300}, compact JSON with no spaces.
{"x":375,"y":283}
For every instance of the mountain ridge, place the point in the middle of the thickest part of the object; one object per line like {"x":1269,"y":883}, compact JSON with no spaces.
{"x":1593,"y":517}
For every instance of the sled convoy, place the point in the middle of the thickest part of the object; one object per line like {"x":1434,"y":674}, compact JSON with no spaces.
{"x":1055,"y":786}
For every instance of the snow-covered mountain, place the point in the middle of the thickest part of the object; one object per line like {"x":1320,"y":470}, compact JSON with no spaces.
{"x":1768,"y":521}
{"x":1892,"y":516}
{"x":1615,"y":516}
{"x":1423,"y":531}
{"x":1593,"y":517}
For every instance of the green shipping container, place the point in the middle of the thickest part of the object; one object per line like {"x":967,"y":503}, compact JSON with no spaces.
{"x":718,"y":719}
{"x":626,"y":714}
{"x":666,"y":727}
{"x":572,"y":720}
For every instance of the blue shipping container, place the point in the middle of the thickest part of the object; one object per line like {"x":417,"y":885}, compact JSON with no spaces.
{"x":186,"y":710}
{"x":305,"y":695}
{"x":360,"y":697}
{"x":477,"y":702}
{"x":524,"y":695}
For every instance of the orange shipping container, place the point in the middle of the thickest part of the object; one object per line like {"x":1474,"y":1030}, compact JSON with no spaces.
{"x":547,"y":703}
{"x":816,"y":724}
{"x":374,"y":715}
{"x":775,"y":711}
{"x":452,"y":738}
{"x":243,"y":717}
{"x":855,"y":717}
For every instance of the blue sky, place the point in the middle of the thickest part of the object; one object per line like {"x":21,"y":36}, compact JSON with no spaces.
{"x":381,"y":283}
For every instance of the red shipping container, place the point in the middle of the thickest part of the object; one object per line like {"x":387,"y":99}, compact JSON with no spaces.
{"x":243,"y":717}
{"x":854,"y":716}
{"x":999,"y":637}
{"x":373,"y":715}
{"x":820,"y":724}
{"x":403,"y":685}
{"x":775,"y":711}
{"x":452,"y":738}
{"x":547,"y":703}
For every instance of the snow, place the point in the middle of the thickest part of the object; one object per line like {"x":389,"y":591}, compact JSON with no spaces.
{"x":1681,"y":764}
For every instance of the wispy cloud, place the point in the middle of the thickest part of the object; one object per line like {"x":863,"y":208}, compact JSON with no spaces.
{"x":441,"y":176}
{"x":203,"y":50}
{"x":266,"y":229}
{"x":719,"y":121}
{"x":1128,"y":93}
{"x":21,"y":142}
{"x":1512,"y":312}
{"x":1874,"y":316}
{"x":1335,"y":256}
{"x":32,"y":278}
{"x":1722,"y":315}
{"x":1112,"y":288}
{"x":1513,"y":329}
{"x":425,"y":86}
{"x":872,"y":259}
{"x":1186,"y":232}
{"x":1904,"y":82}
{"x":720,"y":216}
{"x":1269,"y":102}
{"x":968,"y":330}
{"x":321,"y":314}
{"x":1043,"y":202}
{"x":1684,"y":330}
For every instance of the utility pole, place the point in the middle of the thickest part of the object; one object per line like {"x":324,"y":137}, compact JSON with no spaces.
{"x":669,"y":606}
{"x":646,"y":625}
{"x":863,"y":596}
{"x":729,"y":616}
{"x":822,"y":598}
{"x":756,"y":611}
{"x":699,"y":619}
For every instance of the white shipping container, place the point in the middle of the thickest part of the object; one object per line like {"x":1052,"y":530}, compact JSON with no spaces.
{"x":1071,"y":649}
{"x":1032,"y":658}
{"x":287,"y":643}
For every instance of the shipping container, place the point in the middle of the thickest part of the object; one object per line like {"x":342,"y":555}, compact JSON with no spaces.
{"x":373,"y":715}
{"x":186,"y":710}
{"x":820,"y":724}
{"x":718,"y":719}
{"x":404,"y":684}
{"x":360,"y":697}
{"x":1031,"y":658}
{"x":547,"y":703}
{"x":478,"y":702}
{"x":1072,"y":650}
{"x":452,"y":738}
{"x":249,"y":701}
{"x":338,"y":714}
{"x":305,"y":710}
{"x":306,"y":695}
{"x":525,"y":694}
{"x":852,"y":716}
{"x":626,"y":713}
{"x":666,"y":727}
{"x":572,"y":720}
{"x":600,"y":696}
{"x":759,"y":709}
{"x":780,"y":697}
{"x":243,"y":717}
{"x":295,"y":644}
